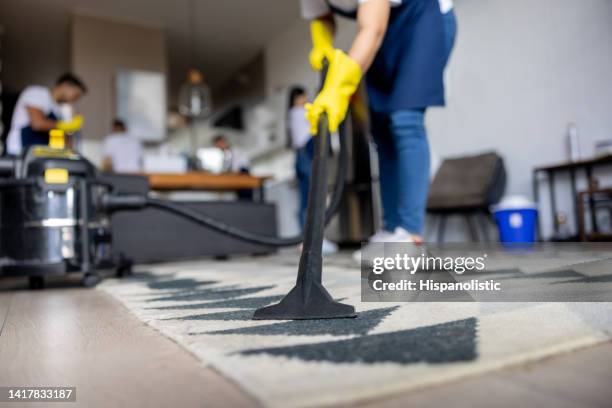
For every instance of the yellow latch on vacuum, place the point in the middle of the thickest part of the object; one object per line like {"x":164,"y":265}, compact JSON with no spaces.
{"x":56,"y":176}
{"x":57,"y":139}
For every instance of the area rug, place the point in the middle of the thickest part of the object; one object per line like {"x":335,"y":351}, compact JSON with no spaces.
{"x":206,"y":307}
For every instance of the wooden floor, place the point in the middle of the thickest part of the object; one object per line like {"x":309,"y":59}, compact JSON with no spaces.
{"x":84,"y":338}
{"x":579,"y":379}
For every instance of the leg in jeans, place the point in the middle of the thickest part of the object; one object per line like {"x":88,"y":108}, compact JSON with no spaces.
{"x":413,"y":166}
{"x":304,"y":183}
{"x":303,"y":164}
{"x":388,"y":168}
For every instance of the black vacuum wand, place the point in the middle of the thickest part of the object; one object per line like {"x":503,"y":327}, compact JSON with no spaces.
{"x":309,"y":299}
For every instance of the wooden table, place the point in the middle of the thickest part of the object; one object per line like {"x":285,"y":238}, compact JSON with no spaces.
{"x":572,"y":168}
{"x":202,"y":181}
{"x":594,"y":197}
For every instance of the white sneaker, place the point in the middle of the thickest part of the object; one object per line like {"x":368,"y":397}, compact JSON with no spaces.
{"x":382,"y":236}
{"x":400,"y":235}
{"x":329,"y":247}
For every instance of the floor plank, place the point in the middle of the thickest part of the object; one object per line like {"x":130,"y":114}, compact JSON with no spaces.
{"x":583,"y":377}
{"x":84,"y":338}
{"x":5,"y":301}
{"x":486,"y":392}
{"x":578,"y":379}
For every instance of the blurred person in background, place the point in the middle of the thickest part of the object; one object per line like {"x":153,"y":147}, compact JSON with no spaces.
{"x":238,"y":162}
{"x":39,"y":109}
{"x":122,"y":151}
{"x":303,"y":144}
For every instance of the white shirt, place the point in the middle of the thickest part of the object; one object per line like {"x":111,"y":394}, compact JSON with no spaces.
{"x":125,"y":152}
{"x":34,"y":96}
{"x":239,"y":160}
{"x":316,"y":8}
{"x":299,"y":128}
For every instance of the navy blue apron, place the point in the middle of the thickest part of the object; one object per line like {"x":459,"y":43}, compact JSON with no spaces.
{"x":407,"y":72}
{"x":31,"y":137}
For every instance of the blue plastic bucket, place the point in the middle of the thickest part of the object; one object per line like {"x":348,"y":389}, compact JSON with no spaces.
{"x":516,"y":224}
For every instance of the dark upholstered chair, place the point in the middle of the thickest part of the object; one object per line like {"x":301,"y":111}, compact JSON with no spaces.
{"x":467,"y":186}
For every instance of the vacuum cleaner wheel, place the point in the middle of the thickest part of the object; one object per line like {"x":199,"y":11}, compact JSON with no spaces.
{"x":90,"y":280}
{"x":37,"y":282}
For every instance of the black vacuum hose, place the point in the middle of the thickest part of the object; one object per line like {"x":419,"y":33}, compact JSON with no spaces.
{"x":221,"y":227}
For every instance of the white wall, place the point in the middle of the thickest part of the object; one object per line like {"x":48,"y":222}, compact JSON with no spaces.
{"x":99,"y":48}
{"x":521,"y":71}
{"x":36,"y":44}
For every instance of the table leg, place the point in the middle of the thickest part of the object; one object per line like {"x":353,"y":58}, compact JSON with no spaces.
{"x":581,"y":229}
{"x":553,"y":201}
{"x":536,"y":199}
{"x":591,"y":181}
{"x":574,"y":196}
{"x":261,"y":194}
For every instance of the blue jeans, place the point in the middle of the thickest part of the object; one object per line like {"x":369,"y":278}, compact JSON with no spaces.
{"x":403,"y":156}
{"x":303,"y":163}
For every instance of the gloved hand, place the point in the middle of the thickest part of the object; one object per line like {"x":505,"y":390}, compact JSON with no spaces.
{"x":71,"y":126}
{"x":342,"y":80}
{"x":322,"y":44}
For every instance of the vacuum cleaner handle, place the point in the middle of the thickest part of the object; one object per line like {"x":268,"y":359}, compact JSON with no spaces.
{"x":323,"y":74}
{"x":323,"y":127}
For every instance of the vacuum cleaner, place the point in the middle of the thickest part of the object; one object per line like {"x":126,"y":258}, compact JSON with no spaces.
{"x":50,"y":223}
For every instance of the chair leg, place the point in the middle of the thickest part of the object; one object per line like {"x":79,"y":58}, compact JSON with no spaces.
{"x":471,"y":227}
{"x":441,"y":228}
{"x":483,"y":219}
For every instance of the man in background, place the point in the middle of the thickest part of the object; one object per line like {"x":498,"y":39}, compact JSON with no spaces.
{"x":238,"y":161}
{"x":122,"y":151}
{"x":39,"y":109}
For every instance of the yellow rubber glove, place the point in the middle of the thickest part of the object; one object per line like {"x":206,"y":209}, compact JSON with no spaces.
{"x":322,"y":44}
{"x":71,"y":126}
{"x":342,"y":80}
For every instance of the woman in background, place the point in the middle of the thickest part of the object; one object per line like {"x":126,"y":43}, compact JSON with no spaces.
{"x":303,"y":144}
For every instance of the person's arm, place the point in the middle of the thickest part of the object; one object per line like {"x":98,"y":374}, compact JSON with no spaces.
{"x":346,"y":70}
{"x":107,"y":156}
{"x":329,"y":22}
{"x":107,"y":164}
{"x":372,"y":22}
{"x":322,"y":31}
{"x":39,"y":122}
{"x":299,"y":128}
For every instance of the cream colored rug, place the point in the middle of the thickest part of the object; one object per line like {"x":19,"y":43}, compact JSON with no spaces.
{"x":206,"y":307}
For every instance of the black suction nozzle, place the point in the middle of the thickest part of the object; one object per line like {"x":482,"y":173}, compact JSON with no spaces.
{"x":309,"y":299}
